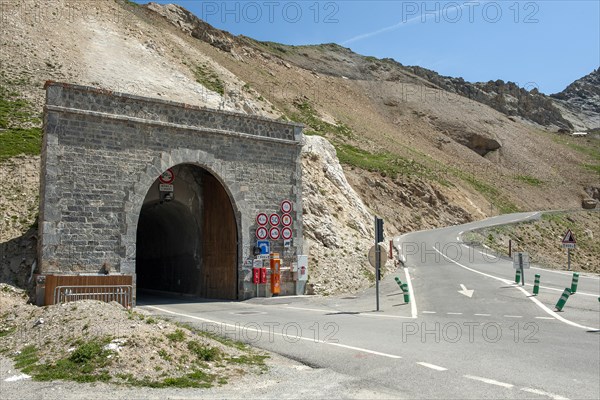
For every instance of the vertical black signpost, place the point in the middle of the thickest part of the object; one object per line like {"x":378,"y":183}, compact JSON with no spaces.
{"x":378,"y":239}
{"x":522,"y":269}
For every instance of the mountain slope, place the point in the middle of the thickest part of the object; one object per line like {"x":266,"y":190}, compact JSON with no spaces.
{"x":417,"y":153}
{"x":580,"y":102}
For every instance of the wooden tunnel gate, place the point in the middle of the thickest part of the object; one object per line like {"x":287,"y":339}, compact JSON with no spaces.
{"x":66,"y":288}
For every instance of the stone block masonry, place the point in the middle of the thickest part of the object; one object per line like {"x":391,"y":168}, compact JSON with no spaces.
{"x":103,"y":151}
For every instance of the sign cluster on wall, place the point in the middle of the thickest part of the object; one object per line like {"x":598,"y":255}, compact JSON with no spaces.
{"x":274,"y":226}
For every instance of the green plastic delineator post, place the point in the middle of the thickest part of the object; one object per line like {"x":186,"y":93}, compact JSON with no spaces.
{"x":574,"y":282}
{"x":536,"y":284}
{"x":518,"y":276}
{"x":398,"y":281}
{"x":563,"y":299}
{"x":406,"y":293}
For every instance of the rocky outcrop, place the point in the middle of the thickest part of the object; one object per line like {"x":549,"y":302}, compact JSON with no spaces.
{"x":581,"y":101}
{"x":589,"y":204}
{"x":506,"y":97}
{"x":337,"y":224}
{"x":194,"y":26}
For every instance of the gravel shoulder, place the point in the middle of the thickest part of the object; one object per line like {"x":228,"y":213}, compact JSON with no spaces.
{"x":284,"y":379}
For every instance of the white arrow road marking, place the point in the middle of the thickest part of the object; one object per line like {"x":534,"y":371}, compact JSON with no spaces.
{"x":468,"y":293}
{"x":508,"y":282}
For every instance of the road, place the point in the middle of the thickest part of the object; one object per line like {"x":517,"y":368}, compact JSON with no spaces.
{"x":495,"y":342}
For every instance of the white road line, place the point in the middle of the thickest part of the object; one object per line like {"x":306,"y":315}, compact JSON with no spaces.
{"x":413,"y":303}
{"x":377,"y":353}
{"x":332,"y":311}
{"x":508,"y":282}
{"x":454,"y":313}
{"x":544,"y":318}
{"x":560,"y":290}
{"x":490,"y":381}
{"x":513,"y":316}
{"x":483,"y":315}
{"x":432,"y":366}
{"x":480,"y":252}
{"x":566,"y":273}
{"x":428,"y":312}
{"x":542,"y":393}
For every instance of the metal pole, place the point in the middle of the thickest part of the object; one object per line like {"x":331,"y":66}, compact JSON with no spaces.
{"x":377,"y":260}
{"x":568,"y":259}
{"x":522,"y":270}
{"x":510,"y":248}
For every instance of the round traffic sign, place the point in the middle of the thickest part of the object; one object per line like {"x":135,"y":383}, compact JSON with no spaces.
{"x":261,"y":233}
{"x":167,"y":177}
{"x":274,"y":233}
{"x":286,"y":206}
{"x":261,"y":219}
{"x":383,"y":256}
{"x":274,"y":219}
{"x":286,"y":220}
{"x":286,"y":233}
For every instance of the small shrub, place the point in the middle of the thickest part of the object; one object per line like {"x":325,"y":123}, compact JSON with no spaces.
{"x":177,"y":336}
{"x":204,"y":353}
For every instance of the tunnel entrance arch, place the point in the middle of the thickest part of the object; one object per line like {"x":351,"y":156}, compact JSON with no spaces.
{"x":102,"y":153}
{"x":186,"y":240}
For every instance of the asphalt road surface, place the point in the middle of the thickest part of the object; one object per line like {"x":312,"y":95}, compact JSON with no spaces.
{"x":468,"y":332}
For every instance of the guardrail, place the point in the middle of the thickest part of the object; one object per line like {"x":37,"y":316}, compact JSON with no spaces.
{"x":122,"y":294}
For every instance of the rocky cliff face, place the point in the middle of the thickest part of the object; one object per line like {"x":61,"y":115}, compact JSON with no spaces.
{"x":506,"y":97}
{"x":337,"y":231}
{"x":580,"y":102}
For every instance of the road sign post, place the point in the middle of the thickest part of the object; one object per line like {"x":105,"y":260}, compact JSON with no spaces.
{"x":520,"y":262}
{"x":522,"y":270}
{"x":569,"y":243}
{"x":378,"y":238}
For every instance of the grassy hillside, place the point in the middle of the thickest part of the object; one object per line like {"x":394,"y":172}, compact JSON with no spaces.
{"x":542,"y":239}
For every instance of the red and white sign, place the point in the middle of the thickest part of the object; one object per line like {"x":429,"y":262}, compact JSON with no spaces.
{"x":569,"y":241}
{"x":286,"y":233}
{"x":274,"y":219}
{"x":286,"y":220}
{"x":262,"y":219}
{"x":302,"y":268}
{"x":261,"y":233}
{"x":274,"y":233}
{"x":286,"y":206}
{"x":167,"y":177}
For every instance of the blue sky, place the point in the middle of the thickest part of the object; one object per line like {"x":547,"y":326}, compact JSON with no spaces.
{"x":543,"y":44}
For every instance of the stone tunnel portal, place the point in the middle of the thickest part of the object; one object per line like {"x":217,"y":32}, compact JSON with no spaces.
{"x":187,"y":237}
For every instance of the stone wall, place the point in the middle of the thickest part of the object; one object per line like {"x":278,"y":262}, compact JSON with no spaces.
{"x":102,"y":152}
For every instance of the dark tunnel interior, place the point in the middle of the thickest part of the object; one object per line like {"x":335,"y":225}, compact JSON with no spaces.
{"x":168,"y":246}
